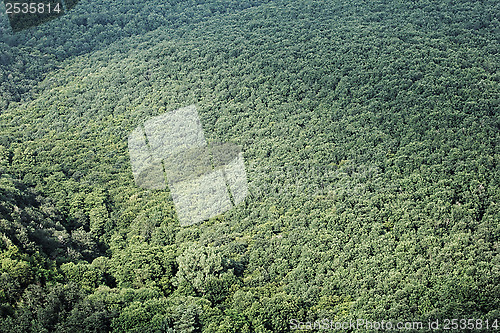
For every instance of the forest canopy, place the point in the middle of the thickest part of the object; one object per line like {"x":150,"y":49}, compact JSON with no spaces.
{"x":370,"y":134}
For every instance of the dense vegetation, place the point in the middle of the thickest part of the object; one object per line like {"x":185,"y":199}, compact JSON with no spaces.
{"x":370,"y":131}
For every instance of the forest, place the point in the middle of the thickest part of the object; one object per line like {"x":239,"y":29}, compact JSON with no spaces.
{"x":370,"y":131}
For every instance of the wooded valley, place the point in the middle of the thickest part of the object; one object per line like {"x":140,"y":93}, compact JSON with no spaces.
{"x":370,"y":133}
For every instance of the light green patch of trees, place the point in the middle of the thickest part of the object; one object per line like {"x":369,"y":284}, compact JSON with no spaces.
{"x":370,"y":137}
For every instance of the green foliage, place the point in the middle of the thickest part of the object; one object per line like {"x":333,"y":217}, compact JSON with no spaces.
{"x":145,"y":266}
{"x":371,"y":142}
{"x":86,"y":275}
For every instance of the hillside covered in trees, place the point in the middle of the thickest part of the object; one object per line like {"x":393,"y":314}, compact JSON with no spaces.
{"x":370,"y":133}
